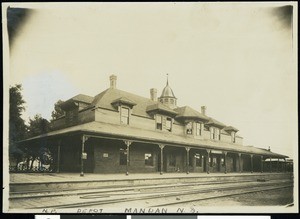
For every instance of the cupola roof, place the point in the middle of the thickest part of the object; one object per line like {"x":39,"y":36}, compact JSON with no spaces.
{"x":167,"y":91}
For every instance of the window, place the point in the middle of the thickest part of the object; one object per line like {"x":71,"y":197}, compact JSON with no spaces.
{"x":172,"y":160}
{"x":233,"y":137}
{"x":214,"y":162}
{"x":212,"y":133}
{"x":169,"y":124}
{"x":198,"y":158}
{"x":124,"y":115}
{"x":158,"y":122}
{"x":198,"y":128}
{"x":123,"y":156}
{"x":189,"y":128}
{"x":148,"y":159}
{"x":217,"y":134}
{"x":222,"y":162}
{"x":171,"y":101}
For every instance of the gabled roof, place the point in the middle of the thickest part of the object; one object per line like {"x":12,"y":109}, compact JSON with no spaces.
{"x":83,"y":98}
{"x":123,"y":100}
{"x":231,"y":128}
{"x":187,"y":112}
{"x":159,"y":107}
{"x":106,"y":98}
{"x":78,"y":98}
{"x":216,"y":123}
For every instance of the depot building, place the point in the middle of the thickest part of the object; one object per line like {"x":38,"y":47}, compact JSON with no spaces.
{"x":120,"y":132}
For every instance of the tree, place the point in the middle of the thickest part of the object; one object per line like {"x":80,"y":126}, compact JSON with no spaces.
{"x":57,"y":112}
{"x":38,"y":125}
{"x":17,"y":127}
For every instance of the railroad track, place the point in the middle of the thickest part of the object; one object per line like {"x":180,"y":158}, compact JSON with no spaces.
{"x":96,"y":190}
{"x":159,"y":198}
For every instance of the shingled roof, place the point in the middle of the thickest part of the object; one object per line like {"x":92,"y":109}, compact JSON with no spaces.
{"x":123,"y":100}
{"x":83,"y":98}
{"x":215,"y":123}
{"x":230,"y":128}
{"x":188,"y":112}
{"x":78,"y":98}
{"x":106,"y":129}
{"x":159,"y":107}
{"x":107,"y":97}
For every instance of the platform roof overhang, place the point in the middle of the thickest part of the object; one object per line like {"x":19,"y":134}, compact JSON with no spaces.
{"x":113,"y":131}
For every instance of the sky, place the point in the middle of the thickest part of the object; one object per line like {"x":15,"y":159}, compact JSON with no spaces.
{"x":236,"y":59}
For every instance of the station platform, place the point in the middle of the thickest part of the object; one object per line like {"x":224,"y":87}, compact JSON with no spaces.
{"x":21,"y":178}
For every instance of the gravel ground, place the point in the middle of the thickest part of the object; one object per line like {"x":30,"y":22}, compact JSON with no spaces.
{"x":266,"y":198}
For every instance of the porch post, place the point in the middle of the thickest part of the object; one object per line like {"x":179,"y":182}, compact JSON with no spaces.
{"x":225,"y":154}
{"x":207,"y":161}
{"x":240,"y":156}
{"x":83,"y":140}
{"x":251,"y":155}
{"x":161,"y":146}
{"x":187,"y":159}
{"x":278,"y":165}
{"x":58,"y":156}
{"x":128,"y":143}
{"x":270,"y":164}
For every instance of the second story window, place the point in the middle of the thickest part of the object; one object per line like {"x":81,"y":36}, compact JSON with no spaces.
{"x":124,"y":115}
{"x":212,"y":133}
{"x":169,"y":124}
{"x":189,"y":128}
{"x":198,"y":128}
{"x":217,"y":134}
{"x":159,"y":122}
{"x":233,"y":137}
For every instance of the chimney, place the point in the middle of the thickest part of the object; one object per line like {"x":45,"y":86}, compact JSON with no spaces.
{"x":203,"y":110}
{"x":113,"y":81}
{"x":153,"y":94}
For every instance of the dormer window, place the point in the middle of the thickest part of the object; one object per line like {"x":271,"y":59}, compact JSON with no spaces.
{"x":233,"y":137}
{"x":198,"y":128}
{"x":158,"y":122}
{"x":124,"y":115}
{"x":123,"y":105}
{"x":214,"y":133}
{"x":169,"y":124}
{"x":189,"y":128}
{"x":217,"y":134}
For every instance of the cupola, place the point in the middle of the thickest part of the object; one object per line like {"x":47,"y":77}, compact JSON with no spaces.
{"x":167,"y":97}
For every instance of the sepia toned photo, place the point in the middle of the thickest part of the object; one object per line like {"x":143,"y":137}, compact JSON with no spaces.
{"x":150,"y":108}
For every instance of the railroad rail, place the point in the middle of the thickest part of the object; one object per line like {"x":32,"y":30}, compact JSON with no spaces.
{"x":161,"y":196}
